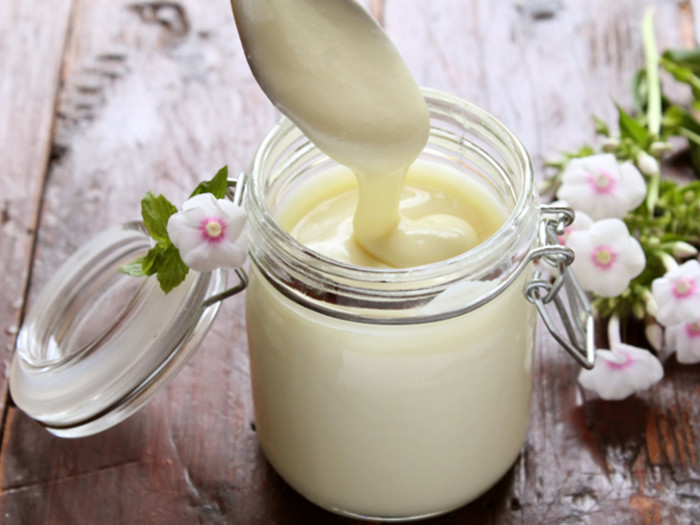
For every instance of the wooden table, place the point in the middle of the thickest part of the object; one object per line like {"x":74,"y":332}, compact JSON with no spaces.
{"x":102,"y":100}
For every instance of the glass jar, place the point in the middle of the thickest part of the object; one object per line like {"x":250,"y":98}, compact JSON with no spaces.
{"x":400,"y":393}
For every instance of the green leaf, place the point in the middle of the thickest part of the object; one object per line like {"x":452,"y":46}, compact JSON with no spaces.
{"x":135,"y":269}
{"x":155,"y":212}
{"x":630,"y":128}
{"x":672,"y":119}
{"x":146,"y":265}
{"x":217,"y":186}
{"x":171,"y":270}
{"x":687,"y":58}
{"x":683,"y":74}
{"x":151,"y":260}
{"x":639,"y":90}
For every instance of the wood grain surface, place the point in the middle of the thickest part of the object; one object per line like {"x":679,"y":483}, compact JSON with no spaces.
{"x":102,"y":100}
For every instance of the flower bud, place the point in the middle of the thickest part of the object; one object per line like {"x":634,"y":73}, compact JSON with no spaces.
{"x":653,"y":242}
{"x":683,"y":250}
{"x":651,"y":305}
{"x":611,"y":144}
{"x":659,"y":148}
{"x":647,"y":164}
{"x":655,"y":335}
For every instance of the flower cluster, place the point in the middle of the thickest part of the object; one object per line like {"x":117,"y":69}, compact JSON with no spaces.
{"x":636,"y":232}
{"x":207,"y":233}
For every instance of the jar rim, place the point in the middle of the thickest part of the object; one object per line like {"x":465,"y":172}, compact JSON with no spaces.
{"x":514,"y":230}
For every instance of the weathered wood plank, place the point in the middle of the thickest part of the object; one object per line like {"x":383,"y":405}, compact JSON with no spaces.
{"x":543,"y":68}
{"x":31,"y":45}
{"x":157,"y":95}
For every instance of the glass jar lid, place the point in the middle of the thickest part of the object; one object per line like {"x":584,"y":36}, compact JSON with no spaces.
{"x":97,"y":344}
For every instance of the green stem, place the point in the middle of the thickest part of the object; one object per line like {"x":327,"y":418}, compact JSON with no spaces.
{"x":652,"y":69}
{"x":653,"y":193}
{"x":694,"y":137}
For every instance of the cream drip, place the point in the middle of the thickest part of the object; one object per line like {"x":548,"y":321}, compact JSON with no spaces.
{"x":331,"y":69}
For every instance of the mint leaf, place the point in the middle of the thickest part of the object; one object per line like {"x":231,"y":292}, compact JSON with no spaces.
{"x":171,"y":270}
{"x":146,"y":265}
{"x":134,"y":269}
{"x":216,"y":186}
{"x":155,"y":212}
{"x":151,"y":260}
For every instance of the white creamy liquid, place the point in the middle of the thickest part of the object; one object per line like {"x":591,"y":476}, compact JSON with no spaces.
{"x":332,"y":70}
{"x":390,"y":421}
{"x":319,"y":214}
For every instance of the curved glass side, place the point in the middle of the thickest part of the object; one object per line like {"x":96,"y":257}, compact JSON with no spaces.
{"x":97,"y":344}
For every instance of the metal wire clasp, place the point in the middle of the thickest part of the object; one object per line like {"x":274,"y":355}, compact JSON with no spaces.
{"x":577,"y":320}
{"x":235,"y":192}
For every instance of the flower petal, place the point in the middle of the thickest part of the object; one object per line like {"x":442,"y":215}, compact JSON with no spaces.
{"x":684,"y":339}
{"x":619,"y":373}
{"x":675,"y":308}
{"x":635,"y":187}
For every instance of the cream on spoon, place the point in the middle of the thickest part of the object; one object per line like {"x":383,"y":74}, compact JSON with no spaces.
{"x":331,"y":69}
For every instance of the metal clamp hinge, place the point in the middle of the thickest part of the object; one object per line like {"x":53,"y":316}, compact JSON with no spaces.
{"x":575,"y":314}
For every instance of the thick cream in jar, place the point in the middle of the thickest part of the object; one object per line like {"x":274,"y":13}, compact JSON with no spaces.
{"x":390,"y":342}
{"x":385,"y":392}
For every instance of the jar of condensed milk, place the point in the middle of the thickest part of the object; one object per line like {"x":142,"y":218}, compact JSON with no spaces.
{"x":396,"y":393}
{"x":390,"y":394}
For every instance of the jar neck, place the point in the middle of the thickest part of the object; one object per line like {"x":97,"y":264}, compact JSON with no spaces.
{"x":462,"y":137}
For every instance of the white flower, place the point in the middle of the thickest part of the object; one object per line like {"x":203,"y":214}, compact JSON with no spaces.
{"x":601,"y":187}
{"x":209,"y":233}
{"x":622,"y":370}
{"x":677,"y":294}
{"x":685,"y":340}
{"x":607,"y":257}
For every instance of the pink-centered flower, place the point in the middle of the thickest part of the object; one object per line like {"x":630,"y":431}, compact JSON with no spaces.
{"x":622,"y":370}
{"x":209,"y":233}
{"x":581,"y":222}
{"x":601,"y":187}
{"x":607,"y":257}
{"x":677,"y":294}
{"x":684,"y":339}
